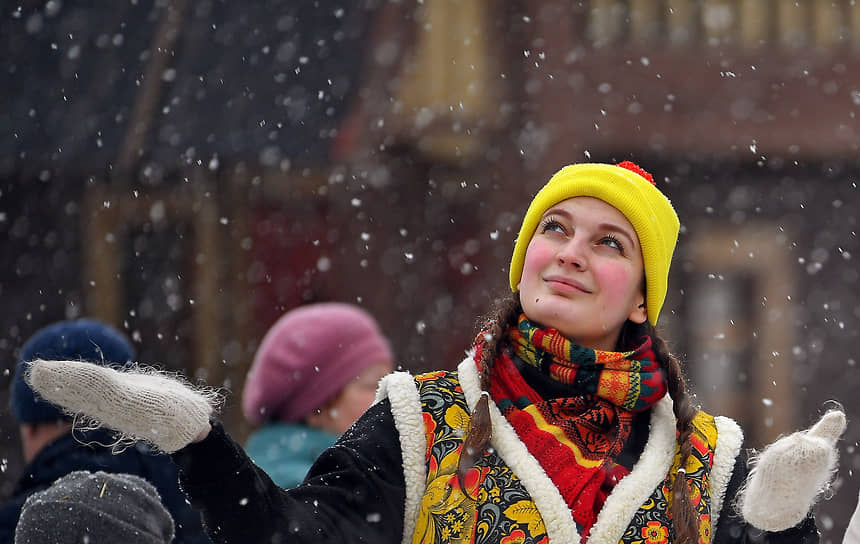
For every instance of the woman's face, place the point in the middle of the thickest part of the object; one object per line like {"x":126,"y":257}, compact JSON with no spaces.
{"x":341,"y":411}
{"x":583,"y":273}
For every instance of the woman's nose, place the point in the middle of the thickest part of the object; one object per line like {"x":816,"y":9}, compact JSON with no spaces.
{"x":573,"y":253}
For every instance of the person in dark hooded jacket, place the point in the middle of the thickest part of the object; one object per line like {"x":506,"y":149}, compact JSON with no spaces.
{"x":53,"y":449}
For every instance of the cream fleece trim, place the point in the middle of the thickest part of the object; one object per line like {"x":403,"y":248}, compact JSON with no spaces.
{"x":559,"y":523}
{"x":730,"y":436}
{"x":401,"y":392}
{"x":648,"y":473}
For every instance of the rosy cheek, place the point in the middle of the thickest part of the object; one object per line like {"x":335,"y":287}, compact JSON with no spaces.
{"x":610,"y":276}
{"x":538,"y":255}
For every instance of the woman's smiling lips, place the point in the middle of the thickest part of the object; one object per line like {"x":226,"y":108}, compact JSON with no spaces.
{"x":564,"y":284}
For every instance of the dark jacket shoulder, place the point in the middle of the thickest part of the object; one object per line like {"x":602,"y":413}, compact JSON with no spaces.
{"x":92,"y":451}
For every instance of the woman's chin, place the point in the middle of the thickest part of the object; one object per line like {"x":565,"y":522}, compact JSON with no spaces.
{"x":555,"y":314}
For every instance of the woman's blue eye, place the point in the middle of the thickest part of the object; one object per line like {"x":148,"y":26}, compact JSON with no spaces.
{"x":612,"y":242}
{"x":551,"y":224}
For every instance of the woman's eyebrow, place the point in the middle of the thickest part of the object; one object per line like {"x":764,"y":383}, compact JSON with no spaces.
{"x":618,"y":229}
{"x":557,"y":211}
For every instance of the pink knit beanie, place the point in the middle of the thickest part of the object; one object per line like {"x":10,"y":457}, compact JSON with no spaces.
{"x":309,"y":355}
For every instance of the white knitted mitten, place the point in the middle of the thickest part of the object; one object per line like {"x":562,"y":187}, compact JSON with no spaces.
{"x":789,"y":475}
{"x":142,"y":404}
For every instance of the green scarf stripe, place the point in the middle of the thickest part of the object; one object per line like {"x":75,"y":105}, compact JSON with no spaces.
{"x":635,"y":391}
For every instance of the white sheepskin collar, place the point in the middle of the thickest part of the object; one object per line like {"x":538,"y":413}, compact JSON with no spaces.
{"x":401,"y":392}
{"x":730,"y":437}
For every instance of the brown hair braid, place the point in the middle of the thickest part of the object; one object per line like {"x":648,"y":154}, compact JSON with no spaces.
{"x":504,"y":314}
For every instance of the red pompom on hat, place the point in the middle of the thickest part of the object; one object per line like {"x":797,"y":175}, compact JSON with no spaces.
{"x":633,"y":167}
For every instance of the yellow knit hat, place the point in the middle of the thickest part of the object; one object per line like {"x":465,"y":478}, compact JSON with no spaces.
{"x":631,"y":191}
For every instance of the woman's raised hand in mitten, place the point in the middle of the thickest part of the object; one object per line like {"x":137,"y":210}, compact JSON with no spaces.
{"x":142,"y":404}
{"x":790,"y":474}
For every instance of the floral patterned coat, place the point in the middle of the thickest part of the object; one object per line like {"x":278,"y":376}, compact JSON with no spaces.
{"x":372,"y":485}
{"x":510,"y":499}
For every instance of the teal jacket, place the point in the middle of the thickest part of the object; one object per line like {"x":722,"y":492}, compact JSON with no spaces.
{"x":287,"y":450}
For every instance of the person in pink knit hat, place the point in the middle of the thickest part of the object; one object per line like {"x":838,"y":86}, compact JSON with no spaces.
{"x":314,"y":374}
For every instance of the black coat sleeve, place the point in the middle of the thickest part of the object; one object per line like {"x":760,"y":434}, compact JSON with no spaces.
{"x":732,"y":529}
{"x":354,"y":492}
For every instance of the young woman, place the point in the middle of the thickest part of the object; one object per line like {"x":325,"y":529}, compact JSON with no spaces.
{"x":315,"y":373}
{"x":567,"y":422}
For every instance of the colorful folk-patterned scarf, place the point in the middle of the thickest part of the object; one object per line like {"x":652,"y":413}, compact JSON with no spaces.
{"x":576,"y":438}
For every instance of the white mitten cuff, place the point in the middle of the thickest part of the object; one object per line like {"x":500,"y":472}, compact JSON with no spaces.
{"x":789,"y":475}
{"x":142,"y":404}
